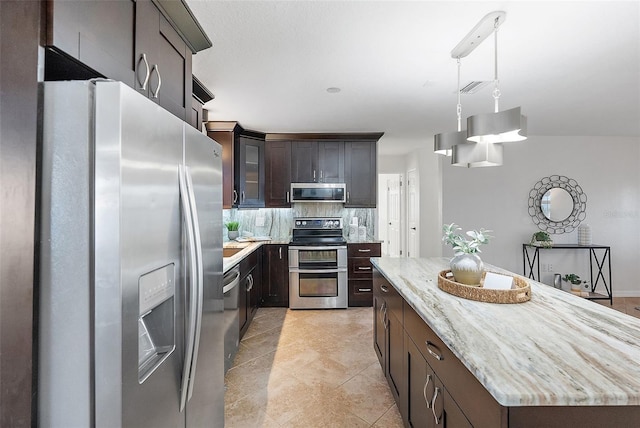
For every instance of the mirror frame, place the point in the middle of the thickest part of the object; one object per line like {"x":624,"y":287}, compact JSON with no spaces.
{"x":578,"y":214}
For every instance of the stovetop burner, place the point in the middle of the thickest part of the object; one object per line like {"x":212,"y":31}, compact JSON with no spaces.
{"x":316,"y":231}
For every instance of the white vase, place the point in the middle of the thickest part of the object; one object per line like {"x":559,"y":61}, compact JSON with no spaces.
{"x":467,"y":269}
{"x":232,"y":234}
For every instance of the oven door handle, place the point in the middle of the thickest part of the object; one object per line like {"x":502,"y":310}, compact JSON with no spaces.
{"x":298,"y":270}
{"x":314,"y":248}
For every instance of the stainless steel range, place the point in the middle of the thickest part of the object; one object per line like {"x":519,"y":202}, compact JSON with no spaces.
{"x":317,"y":264}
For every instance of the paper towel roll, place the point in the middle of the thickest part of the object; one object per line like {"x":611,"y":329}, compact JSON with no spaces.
{"x":362,"y":233}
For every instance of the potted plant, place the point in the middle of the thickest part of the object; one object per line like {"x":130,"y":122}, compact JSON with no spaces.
{"x":541,"y":238}
{"x":576,"y":282}
{"x":466,"y":265}
{"x":232,"y":229}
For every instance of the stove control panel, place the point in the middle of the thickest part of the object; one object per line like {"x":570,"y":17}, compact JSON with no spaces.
{"x":317,"y":223}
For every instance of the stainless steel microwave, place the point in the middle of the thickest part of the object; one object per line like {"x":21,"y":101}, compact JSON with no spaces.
{"x":318,"y":192}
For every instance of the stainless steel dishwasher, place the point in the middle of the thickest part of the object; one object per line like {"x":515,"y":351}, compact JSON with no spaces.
{"x":231,"y":316}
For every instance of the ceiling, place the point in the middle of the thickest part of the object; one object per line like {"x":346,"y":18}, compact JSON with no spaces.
{"x":573,"y":67}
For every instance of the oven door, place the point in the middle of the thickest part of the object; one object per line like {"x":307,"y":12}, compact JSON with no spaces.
{"x":317,"y":288}
{"x":317,"y":258}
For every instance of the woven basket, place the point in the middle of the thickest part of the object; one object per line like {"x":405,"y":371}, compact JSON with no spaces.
{"x":520,"y":294}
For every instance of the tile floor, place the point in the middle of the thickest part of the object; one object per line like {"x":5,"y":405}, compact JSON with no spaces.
{"x":627,"y":305}
{"x":311,"y":368}
{"x":316,"y":369}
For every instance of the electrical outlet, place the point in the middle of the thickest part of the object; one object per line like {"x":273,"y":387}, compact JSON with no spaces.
{"x":259,"y":221}
{"x":549,"y":268}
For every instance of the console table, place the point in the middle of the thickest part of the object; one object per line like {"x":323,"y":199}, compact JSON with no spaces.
{"x":599,"y":263}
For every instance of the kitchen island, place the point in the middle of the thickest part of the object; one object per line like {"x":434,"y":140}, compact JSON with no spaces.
{"x":556,"y":360}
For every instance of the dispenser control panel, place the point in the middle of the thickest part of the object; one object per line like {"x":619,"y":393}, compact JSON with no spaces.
{"x":155,"y":287}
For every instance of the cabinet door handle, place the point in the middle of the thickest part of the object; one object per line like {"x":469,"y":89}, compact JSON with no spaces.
{"x":280,"y":252}
{"x":433,"y":406}
{"x":143,"y":84}
{"x":348,"y":198}
{"x":242,"y":199}
{"x":381,"y":312}
{"x":364,"y":250}
{"x":384,"y":288}
{"x":314,"y":175}
{"x":155,"y":93}
{"x":363,"y":290}
{"x":437,"y":355}
{"x":235,"y":196}
{"x":364,"y":268}
{"x":424,"y":391}
{"x":288,"y":198}
{"x":320,"y":175}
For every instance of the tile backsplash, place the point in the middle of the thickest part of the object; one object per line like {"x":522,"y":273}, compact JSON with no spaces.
{"x":278,"y":222}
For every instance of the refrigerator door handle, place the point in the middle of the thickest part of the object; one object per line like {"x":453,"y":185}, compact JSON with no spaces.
{"x":193,"y":274}
{"x":199,"y":279}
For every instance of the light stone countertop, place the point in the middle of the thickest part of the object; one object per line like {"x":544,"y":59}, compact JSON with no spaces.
{"x":247,"y":248}
{"x":555,"y":350}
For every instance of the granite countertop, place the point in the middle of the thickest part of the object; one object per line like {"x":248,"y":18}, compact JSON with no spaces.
{"x":246,"y":249}
{"x":555,"y":350}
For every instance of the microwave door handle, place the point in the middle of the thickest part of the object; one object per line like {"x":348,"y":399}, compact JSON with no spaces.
{"x":191,"y":322}
{"x":199,"y":279}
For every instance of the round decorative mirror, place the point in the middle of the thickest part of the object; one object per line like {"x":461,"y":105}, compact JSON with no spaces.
{"x":557,"y":204}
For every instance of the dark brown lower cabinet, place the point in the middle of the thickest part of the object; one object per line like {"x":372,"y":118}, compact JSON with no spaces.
{"x":250,"y":288}
{"x":395,"y":339}
{"x":427,"y":402}
{"x":389,"y":334}
{"x":275,"y":277}
{"x":360,"y":272}
{"x":433,"y":388}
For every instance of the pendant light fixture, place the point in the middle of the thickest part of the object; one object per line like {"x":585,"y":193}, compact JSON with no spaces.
{"x":444,"y":143}
{"x":499,"y":126}
{"x":463,"y":152}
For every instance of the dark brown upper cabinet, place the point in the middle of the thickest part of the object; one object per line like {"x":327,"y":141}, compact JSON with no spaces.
{"x":323,"y":158}
{"x":89,"y":39}
{"x":317,"y":161}
{"x":277,"y":155}
{"x":360,"y":174}
{"x":250,"y":171}
{"x":200,"y":96}
{"x":163,"y":62}
{"x":145,"y":44}
{"x":243,"y":178}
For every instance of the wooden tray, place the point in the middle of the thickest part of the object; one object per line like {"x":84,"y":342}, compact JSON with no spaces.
{"x":520,"y":294}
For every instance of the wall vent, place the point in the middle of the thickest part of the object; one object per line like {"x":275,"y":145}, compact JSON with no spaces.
{"x":473,"y":87}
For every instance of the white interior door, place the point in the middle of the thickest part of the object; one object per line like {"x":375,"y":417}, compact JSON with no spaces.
{"x":413,"y":214}
{"x":394,"y":215}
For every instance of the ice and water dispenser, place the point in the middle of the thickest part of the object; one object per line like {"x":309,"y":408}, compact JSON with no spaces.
{"x":156,"y":322}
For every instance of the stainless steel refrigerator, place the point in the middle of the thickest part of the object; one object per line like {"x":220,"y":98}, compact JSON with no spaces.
{"x":130,"y":299}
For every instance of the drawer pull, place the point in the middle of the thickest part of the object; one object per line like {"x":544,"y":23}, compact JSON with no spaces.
{"x":364,"y":267}
{"x":433,"y":406}
{"x":362,"y":290}
{"x":437,"y":355}
{"x":424,"y":392}
{"x":364,"y":250}
{"x":384,"y":288}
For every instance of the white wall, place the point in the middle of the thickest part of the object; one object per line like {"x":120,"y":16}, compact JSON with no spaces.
{"x":497,"y":198}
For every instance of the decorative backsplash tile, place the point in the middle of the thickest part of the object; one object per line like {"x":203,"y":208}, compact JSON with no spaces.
{"x":278,"y":222}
